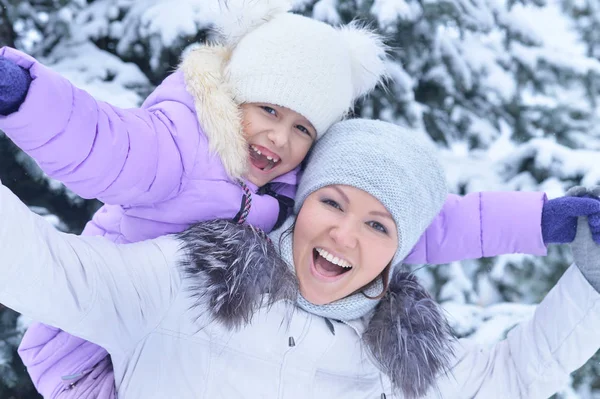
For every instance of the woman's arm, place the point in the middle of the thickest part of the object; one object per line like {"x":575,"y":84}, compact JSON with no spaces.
{"x":538,"y":355}
{"x":106,"y":293}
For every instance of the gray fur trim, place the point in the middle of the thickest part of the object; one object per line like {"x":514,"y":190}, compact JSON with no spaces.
{"x":231,"y":267}
{"x":409,"y":337}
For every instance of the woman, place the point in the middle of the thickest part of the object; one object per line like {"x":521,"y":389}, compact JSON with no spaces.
{"x":216,"y":313}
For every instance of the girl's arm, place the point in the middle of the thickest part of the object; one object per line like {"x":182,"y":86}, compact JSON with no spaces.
{"x":121,"y":156}
{"x":481,"y":225}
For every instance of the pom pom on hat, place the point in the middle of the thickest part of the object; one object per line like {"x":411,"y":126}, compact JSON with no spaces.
{"x":367,"y":54}
{"x":237,"y":18}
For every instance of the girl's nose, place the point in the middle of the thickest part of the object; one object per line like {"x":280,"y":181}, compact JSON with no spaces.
{"x":278,"y":136}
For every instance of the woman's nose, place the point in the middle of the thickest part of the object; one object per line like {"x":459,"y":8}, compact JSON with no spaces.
{"x":345,"y":234}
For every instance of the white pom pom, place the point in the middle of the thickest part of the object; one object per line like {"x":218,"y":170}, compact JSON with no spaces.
{"x":236,"y":18}
{"x":368,"y":53}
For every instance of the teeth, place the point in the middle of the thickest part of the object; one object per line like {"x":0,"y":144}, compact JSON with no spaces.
{"x":334,"y":259}
{"x":272,"y":159}
{"x":256,"y":150}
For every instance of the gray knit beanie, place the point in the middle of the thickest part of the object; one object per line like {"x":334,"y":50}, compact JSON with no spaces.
{"x":396,"y":165}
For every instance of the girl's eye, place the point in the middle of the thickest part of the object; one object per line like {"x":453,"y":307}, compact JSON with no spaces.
{"x":304,"y":130}
{"x":378,"y":226}
{"x":269,"y":110}
{"x":331,"y":203}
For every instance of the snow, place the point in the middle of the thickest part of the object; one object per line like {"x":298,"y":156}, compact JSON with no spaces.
{"x":548,"y":25}
{"x":325,"y":10}
{"x":388,"y":12}
{"x":457,"y":65}
{"x":103,"y":75}
{"x":401,"y":80}
{"x":162,"y":19}
{"x":508,"y":92}
{"x":561,"y":162}
{"x":484,"y":58}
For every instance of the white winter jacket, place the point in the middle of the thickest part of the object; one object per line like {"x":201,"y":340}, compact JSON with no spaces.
{"x":139,"y":303}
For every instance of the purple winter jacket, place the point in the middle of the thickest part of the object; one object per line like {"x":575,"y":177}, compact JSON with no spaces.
{"x":154,"y":169}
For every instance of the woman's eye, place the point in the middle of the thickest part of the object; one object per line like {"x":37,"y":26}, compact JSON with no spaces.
{"x":331,"y":203}
{"x":269,"y":110}
{"x":378,"y":226}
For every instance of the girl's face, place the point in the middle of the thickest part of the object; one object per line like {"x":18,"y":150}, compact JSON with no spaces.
{"x":343,"y":239}
{"x":278,"y":140}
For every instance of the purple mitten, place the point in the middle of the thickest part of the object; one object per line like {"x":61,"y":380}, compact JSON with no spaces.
{"x":594,"y":222}
{"x":14,"y":84}
{"x":594,"y":219}
{"x":559,"y":218}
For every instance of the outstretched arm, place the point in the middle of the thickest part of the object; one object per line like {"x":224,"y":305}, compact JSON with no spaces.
{"x":537,"y":357}
{"x":84,"y":284}
{"x":481,"y":225}
{"x":121,"y":156}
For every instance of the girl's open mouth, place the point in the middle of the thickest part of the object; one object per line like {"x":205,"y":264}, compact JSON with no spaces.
{"x":262,"y":161}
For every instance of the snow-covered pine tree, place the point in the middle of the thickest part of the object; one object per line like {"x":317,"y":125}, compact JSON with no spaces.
{"x":507,"y":88}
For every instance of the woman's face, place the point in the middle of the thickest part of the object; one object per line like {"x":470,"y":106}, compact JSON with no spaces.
{"x":343,"y":239}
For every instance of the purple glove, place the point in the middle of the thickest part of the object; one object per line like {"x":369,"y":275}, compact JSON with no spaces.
{"x":594,"y":222}
{"x":559,"y":217}
{"x":594,"y":219}
{"x":14,"y":84}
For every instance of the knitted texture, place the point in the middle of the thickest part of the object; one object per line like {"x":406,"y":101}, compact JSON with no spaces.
{"x":586,"y":253}
{"x":307,"y":66}
{"x":14,"y":84}
{"x":559,"y":217}
{"x":397,"y":166}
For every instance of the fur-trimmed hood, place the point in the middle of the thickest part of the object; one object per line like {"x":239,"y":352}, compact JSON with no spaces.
{"x":211,"y":72}
{"x":218,"y":114}
{"x":233,"y":271}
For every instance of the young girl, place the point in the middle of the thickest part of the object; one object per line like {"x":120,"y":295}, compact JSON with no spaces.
{"x":221,"y":138}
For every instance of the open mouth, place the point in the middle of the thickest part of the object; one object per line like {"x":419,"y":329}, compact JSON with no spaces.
{"x":328,"y":265}
{"x":261,"y":159}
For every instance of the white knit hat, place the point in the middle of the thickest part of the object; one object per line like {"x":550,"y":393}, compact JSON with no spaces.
{"x":298,"y":62}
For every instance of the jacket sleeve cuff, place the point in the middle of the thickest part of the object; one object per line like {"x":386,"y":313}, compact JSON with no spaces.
{"x":511,"y":222}
{"x":49,"y":94}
